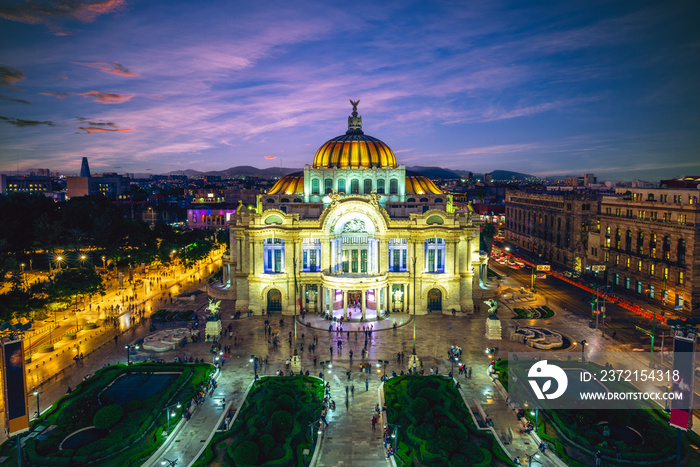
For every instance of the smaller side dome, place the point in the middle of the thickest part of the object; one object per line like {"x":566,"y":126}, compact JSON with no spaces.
{"x":290,"y":184}
{"x":417,"y":184}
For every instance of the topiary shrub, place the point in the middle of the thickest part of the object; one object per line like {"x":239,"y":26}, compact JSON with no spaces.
{"x":449,"y":445}
{"x":245,"y":453}
{"x":286,"y":403}
{"x":430,"y":394}
{"x":266,"y":443}
{"x":107,"y":416}
{"x":445,"y":432}
{"x":281,"y":421}
{"x":420,"y":407}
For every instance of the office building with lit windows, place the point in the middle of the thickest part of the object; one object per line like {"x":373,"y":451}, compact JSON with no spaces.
{"x":354,"y":234}
{"x":648,"y":241}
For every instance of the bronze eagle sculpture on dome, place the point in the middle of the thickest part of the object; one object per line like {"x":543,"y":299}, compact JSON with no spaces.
{"x":354,"y":104}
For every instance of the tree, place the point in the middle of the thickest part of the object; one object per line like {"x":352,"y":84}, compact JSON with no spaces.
{"x":69,"y":285}
{"x":487,"y":233}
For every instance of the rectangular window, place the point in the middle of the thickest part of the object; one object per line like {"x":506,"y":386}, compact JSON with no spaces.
{"x":627,"y":282}
{"x":617,"y":279}
{"x":278,"y":260}
{"x":679,"y":298}
{"x":665,"y":274}
{"x":651,"y":291}
{"x":654,"y":215}
{"x":627,"y":263}
{"x":312,"y":260}
{"x":354,"y":261}
{"x":607,"y":257}
{"x":363,"y":261}
{"x":431,"y":260}
{"x":652,"y":252}
{"x":617,"y":260}
{"x":652,"y":269}
{"x":639,"y":266}
{"x":639,"y":287}
{"x":682,"y":219}
{"x":346,"y":261}
{"x":403,"y":259}
{"x":680,"y":277}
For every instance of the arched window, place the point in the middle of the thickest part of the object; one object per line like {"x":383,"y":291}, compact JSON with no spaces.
{"x":667,"y":248}
{"x":341,"y":185}
{"x":393,"y":186}
{"x":367,"y":186}
{"x":270,"y":200}
{"x":424,"y":200}
{"x":411,"y":200}
{"x":438,"y":200}
{"x":297,"y":200}
{"x":284,"y":200}
{"x":380,"y":186}
{"x":628,"y":241}
{"x":328,"y":185}
{"x":618,"y":242}
{"x":315,"y":186}
{"x":354,"y":187}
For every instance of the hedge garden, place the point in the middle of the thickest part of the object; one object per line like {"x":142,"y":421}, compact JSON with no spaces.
{"x":582,"y":431}
{"x":537,"y":312}
{"x":272,"y":427}
{"x":436,"y":427}
{"x":131,"y":431}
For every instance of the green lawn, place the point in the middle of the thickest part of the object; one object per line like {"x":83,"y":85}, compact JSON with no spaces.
{"x":273,"y":426}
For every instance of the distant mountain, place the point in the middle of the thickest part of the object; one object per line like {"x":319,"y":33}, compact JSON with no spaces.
{"x":434,"y":173}
{"x":246,"y":170}
{"x":508,"y":175}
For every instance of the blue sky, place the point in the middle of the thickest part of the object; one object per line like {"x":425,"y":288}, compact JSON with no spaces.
{"x":548,"y":88}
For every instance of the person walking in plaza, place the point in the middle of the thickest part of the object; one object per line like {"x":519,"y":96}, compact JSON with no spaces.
{"x":469,"y":373}
{"x":374,"y":423}
{"x":366,"y":384}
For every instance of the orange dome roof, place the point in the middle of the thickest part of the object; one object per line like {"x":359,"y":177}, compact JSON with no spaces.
{"x":354,"y":149}
{"x":417,"y":184}
{"x":290,"y":184}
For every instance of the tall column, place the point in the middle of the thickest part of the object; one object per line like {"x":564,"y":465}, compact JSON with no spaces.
{"x":325,"y":262}
{"x":383,"y":255}
{"x":345,"y":304}
{"x":387,"y":296}
{"x":363,"y":302}
{"x":332,"y":258}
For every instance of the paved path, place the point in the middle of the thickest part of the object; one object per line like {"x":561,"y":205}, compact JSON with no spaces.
{"x":349,"y":438}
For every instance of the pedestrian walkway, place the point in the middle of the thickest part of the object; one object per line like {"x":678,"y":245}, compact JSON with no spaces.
{"x":186,"y":443}
{"x":349,"y":438}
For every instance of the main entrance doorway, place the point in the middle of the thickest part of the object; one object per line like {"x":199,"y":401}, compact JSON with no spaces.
{"x":353,"y":304}
{"x":434,"y":300}
{"x":274,"y":300}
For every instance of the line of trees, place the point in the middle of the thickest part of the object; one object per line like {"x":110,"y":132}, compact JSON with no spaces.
{"x":38,"y":233}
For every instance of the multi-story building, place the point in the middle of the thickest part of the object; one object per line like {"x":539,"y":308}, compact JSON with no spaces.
{"x":32,"y":184}
{"x":552,"y":225}
{"x":353,"y":235}
{"x":649,"y":240}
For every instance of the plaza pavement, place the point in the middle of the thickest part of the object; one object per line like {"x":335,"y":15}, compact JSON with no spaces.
{"x":349,"y":439}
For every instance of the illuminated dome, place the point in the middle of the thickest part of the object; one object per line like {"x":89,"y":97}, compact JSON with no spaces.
{"x":290,"y":184}
{"x":417,"y":184}
{"x":354,"y":149}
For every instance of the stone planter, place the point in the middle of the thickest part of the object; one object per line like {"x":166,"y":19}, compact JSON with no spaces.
{"x":68,"y":336}
{"x":47,"y":348}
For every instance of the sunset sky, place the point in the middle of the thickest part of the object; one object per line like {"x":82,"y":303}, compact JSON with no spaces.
{"x":547,"y":88}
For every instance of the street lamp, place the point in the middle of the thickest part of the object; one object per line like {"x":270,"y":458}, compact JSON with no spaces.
{"x":583,"y":348}
{"x":128,"y":348}
{"x":254,"y":361}
{"x":38,"y":410}
{"x":452,"y":362}
{"x":167,"y":410}
{"x":395,"y":434}
{"x":59,"y":259}
{"x":168,"y":462}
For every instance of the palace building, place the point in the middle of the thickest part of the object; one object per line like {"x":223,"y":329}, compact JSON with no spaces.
{"x":354,"y":234}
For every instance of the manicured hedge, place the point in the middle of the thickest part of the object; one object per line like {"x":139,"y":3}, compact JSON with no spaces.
{"x":272,"y":426}
{"x":135,"y":435}
{"x":436,"y":426}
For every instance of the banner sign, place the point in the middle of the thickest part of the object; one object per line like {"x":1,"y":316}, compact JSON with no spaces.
{"x":684,"y":367}
{"x":16,"y":410}
{"x":543,"y":267}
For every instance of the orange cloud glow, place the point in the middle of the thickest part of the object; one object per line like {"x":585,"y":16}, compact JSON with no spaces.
{"x":270,"y":157}
{"x":106,"y":98}
{"x":91,"y":129}
{"x":114,"y":68}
